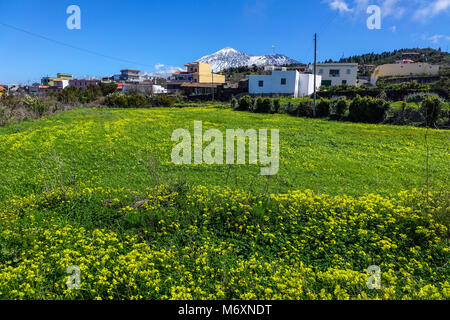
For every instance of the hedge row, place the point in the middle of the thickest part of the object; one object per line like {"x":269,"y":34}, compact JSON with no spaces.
{"x":429,"y":111}
{"x":136,"y":100}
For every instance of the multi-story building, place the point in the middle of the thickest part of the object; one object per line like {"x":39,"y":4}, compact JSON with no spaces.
{"x":292,"y":83}
{"x":83,"y":83}
{"x":197,"y":72}
{"x":61,"y":83}
{"x":50,"y":81}
{"x":403,"y":67}
{"x":337,"y":74}
{"x":130,"y":75}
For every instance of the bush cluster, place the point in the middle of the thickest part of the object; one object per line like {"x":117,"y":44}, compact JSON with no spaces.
{"x":138,"y":100}
{"x":368,"y":110}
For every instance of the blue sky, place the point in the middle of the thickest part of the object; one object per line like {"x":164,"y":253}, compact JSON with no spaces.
{"x":171,"y":33}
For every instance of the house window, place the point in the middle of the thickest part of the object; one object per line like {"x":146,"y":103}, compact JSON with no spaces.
{"x":335,"y":73}
{"x":261,"y":83}
{"x":320,"y":71}
{"x":283,"y":81}
{"x":349,"y":71}
{"x":344,"y":81}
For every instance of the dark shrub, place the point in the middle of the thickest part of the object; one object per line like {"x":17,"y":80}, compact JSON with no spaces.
{"x":117,"y":100}
{"x":36,"y":104}
{"x":340,"y":107}
{"x":368,"y":110}
{"x":137,"y":100}
{"x":263,"y":105}
{"x":290,"y":109}
{"x":323,"y":108}
{"x":107,"y":88}
{"x":276,"y":105}
{"x":70,"y":95}
{"x":234,"y":103}
{"x":163,"y":101}
{"x":412,"y":116}
{"x":2,"y":115}
{"x":431,"y":110}
{"x":257,"y":103}
{"x":383,"y":95}
{"x":418,"y":98}
{"x":246,"y":103}
{"x":305,"y":109}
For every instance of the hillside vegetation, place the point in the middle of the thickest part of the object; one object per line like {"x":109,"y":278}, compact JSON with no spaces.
{"x":426,"y":55}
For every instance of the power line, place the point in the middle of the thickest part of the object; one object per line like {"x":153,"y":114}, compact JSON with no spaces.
{"x":72,"y":46}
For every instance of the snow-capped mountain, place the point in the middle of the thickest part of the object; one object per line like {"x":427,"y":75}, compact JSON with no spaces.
{"x":231,"y":58}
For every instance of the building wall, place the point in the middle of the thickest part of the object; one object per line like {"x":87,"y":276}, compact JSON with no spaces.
{"x":145,"y":88}
{"x":82,"y":83}
{"x":208,"y":78}
{"x":296,"y":84}
{"x":199,"y":73}
{"x":271,"y":84}
{"x":307,"y":84}
{"x":403,"y":69}
{"x":348,"y":73}
{"x":61,"y":83}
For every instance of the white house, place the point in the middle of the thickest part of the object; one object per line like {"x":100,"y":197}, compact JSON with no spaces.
{"x":290,"y":82}
{"x":337,"y":74}
{"x":145,"y":88}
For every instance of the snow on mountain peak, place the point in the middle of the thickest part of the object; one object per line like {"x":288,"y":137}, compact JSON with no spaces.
{"x":231,"y":58}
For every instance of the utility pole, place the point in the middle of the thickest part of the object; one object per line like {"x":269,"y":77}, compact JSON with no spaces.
{"x":212,"y":85}
{"x":315,"y":72}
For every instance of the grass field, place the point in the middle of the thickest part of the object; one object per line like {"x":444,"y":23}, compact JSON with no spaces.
{"x":111,"y":148}
{"x":96,"y":188}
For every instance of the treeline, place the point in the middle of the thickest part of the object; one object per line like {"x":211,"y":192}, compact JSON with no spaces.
{"x":429,"y":109}
{"x":426,"y":55}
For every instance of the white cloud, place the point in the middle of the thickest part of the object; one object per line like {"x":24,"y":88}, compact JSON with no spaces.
{"x":394,"y":28}
{"x":438,"y":37}
{"x":392,"y":8}
{"x":340,"y":5}
{"x":162,"y":71}
{"x":415,"y":9}
{"x":431,"y":10}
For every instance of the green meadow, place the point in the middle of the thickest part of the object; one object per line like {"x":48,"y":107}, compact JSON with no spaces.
{"x":96,"y":189}
{"x":107,"y":147}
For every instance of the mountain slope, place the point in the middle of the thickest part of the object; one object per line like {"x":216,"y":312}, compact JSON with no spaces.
{"x":231,"y":58}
